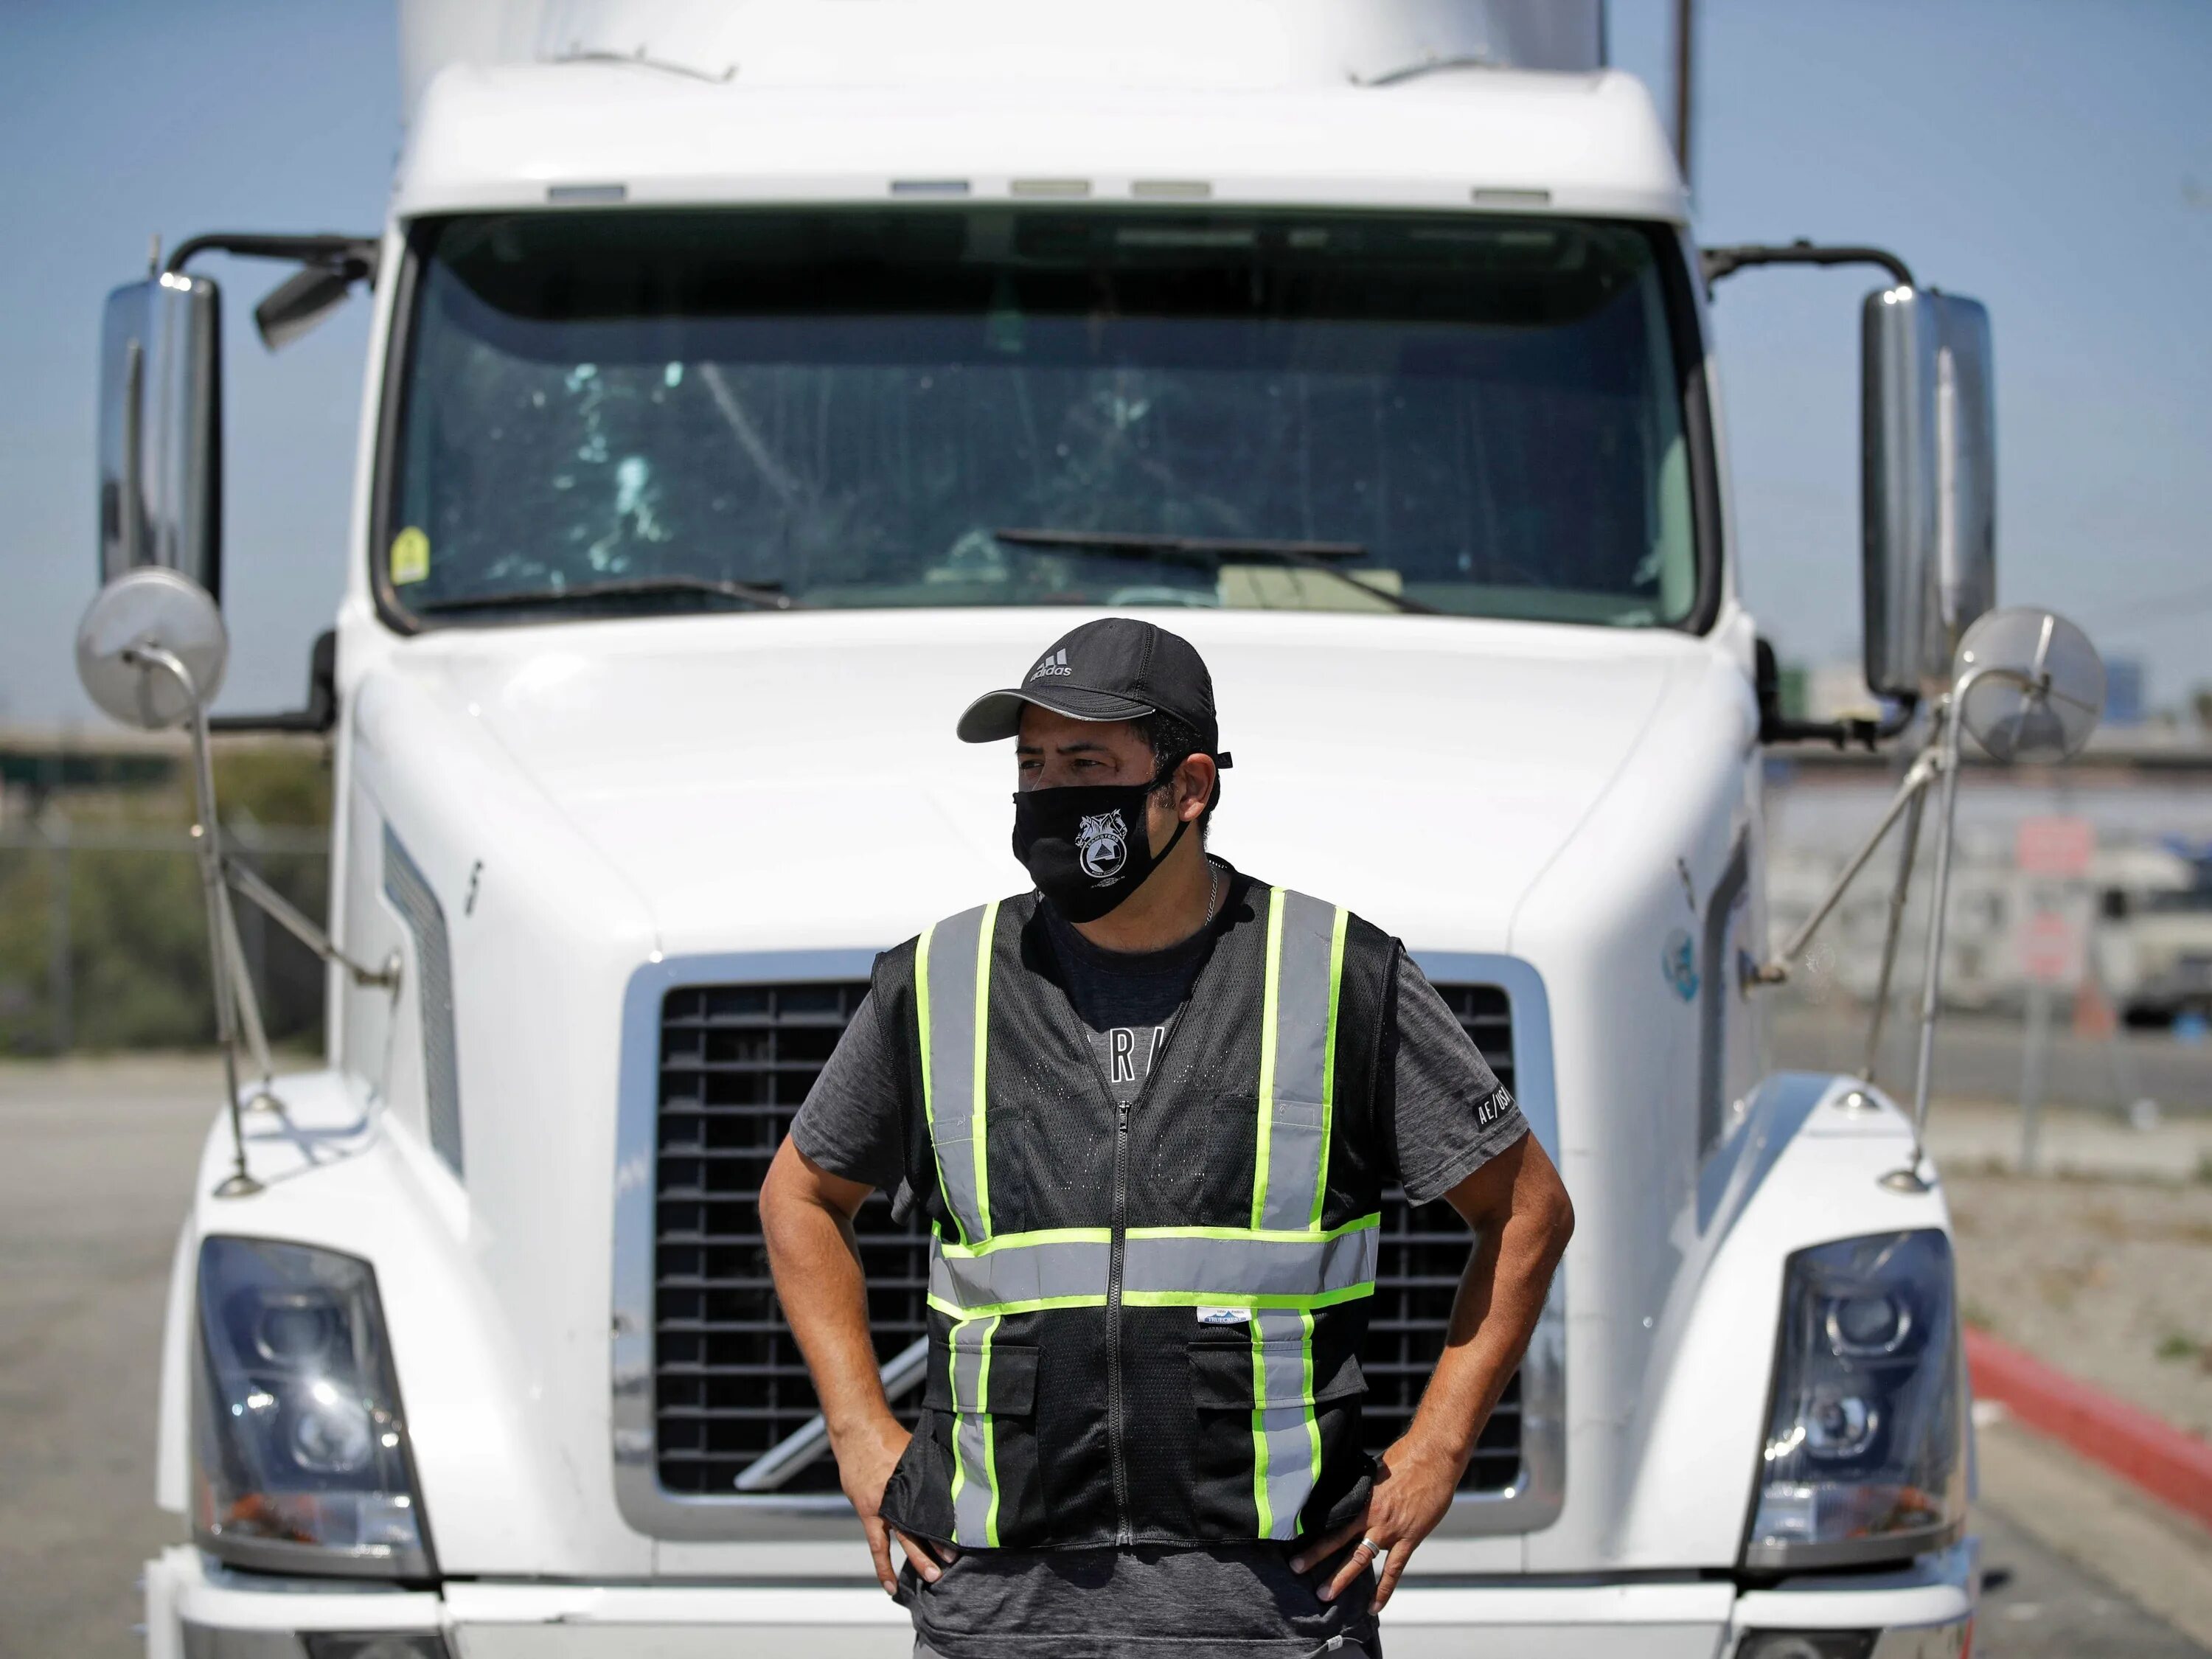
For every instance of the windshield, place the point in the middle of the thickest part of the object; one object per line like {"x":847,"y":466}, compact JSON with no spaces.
{"x":2180,"y":900}
{"x":1481,"y":416}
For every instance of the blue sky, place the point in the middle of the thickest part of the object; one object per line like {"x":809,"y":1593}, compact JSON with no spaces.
{"x":2052,"y":158}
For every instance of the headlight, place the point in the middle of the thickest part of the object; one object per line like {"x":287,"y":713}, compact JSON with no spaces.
{"x":1863,"y":1458}
{"x":299,"y":1451}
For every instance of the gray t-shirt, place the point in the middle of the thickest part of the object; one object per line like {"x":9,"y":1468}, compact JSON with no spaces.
{"x":1447,"y":1116}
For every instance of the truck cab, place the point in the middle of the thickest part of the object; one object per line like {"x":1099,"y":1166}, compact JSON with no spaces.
{"x":744,"y":392}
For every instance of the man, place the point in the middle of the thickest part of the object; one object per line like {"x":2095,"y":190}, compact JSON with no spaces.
{"x":1150,"y":1108}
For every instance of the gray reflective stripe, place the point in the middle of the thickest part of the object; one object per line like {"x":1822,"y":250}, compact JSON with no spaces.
{"x":1237,"y":1267}
{"x":948,"y":988}
{"x":1221,"y":1264}
{"x":1054,"y":1270}
{"x":1302,"y":970}
{"x":1286,"y":1437}
{"x":974,"y":1478}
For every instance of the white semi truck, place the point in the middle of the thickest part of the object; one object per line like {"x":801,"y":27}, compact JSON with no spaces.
{"x":748,"y":385}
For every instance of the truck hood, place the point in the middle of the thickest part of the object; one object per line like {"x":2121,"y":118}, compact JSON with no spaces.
{"x":781,"y":782}
{"x":575,"y":798}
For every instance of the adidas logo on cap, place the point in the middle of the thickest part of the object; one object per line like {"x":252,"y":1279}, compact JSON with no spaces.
{"x":1054,"y":663}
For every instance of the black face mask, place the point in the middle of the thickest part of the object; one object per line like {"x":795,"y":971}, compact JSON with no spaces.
{"x":1086,"y":846}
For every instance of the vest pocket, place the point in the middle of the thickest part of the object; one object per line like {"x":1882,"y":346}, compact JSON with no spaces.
{"x":1222,"y":1371}
{"x":1290,"y":1159}
{"x":1231,"y":1141}
{"x":1002,"y":1381}
{"x":981,"y":1397}
{"x":997,"y":1191}
{"x":1267,"y":1412}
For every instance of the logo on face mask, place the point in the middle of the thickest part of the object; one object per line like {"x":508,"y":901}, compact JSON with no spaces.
{"x":1102,"y":845}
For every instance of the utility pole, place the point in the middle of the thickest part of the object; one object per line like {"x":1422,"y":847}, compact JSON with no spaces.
{"x":1685,"y":79}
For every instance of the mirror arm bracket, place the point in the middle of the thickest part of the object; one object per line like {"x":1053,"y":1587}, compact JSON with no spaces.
{"x":240,"y":1183}
{"x":315,"y":719}
{"x":1926,"y":770}
{"x":248,"y":885}
{"x":1719,"y":262}
{"x":356,"y":256}
{"x":1775,"y":726}
{"x":1843,"y":733}
{"x":321,"y":713}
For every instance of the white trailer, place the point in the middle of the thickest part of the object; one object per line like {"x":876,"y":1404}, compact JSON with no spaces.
{"x":734,"y":365}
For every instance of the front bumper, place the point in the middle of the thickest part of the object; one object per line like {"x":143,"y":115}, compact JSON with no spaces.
{"x":197,"y":1609}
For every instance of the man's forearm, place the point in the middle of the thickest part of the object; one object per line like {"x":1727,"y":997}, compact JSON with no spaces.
{"x":806,"y":1222}
{"x":825,"y":1294}
{"x":1501,"y":1297}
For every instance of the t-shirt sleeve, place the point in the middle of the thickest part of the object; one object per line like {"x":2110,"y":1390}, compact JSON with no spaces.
{"x":849,"y":1123}
{"x":1449,"y":1114}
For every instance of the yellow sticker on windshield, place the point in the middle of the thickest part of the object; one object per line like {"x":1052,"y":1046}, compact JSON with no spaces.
{"x":410,"y":557}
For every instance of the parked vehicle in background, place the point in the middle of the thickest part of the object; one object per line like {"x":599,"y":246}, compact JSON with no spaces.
{"x":2154,"y":936}
{"x":731,"y":364}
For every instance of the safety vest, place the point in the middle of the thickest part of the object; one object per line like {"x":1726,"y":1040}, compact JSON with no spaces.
{"x":1144,"y":1322}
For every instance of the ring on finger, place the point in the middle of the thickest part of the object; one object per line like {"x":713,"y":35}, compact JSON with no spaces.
{"x":1378,"y":1551}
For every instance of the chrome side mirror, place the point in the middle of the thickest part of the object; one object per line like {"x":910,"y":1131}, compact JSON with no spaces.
{"x":152,"y":649}
{"x":2030,"y":686}
{"x":161,"y":429}
{"x":1927,"y":483}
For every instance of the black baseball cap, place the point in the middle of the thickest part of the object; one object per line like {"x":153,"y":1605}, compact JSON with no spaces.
{"x":1115,"y":669}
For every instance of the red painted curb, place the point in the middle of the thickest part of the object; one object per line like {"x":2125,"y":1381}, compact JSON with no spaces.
{"x":2146,"y":1451}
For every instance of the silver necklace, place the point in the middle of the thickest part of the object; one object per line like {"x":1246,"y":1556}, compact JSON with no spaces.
{"x":1212,"y":889}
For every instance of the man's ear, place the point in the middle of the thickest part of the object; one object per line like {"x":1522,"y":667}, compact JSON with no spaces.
{"x":1194,"y":780}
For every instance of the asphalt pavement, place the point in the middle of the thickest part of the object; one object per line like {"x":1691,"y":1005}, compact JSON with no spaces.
{"x":95,"y":1163}
{"x":95,"y":1170}
{"x":2038,"y":1604}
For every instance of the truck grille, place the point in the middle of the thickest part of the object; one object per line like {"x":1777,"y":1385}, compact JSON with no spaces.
{"x":729,"y":1383}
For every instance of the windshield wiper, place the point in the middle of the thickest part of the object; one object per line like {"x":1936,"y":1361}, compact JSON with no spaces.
{"x":1210,"y":552}
{"x":757,"y":595}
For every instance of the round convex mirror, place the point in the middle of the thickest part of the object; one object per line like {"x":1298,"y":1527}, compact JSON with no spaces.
{"x":151,"y":606}
{"x":2042,"y":691}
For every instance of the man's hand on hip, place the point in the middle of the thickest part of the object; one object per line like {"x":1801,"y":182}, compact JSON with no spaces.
{"x":1520,"y":1214}
{"x":1413,"y":1487}
{"x":864,"y":1463}
{"x":806,"y":1213}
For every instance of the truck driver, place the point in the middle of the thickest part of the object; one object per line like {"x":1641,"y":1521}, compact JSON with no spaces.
{"x":1150,"y":1108}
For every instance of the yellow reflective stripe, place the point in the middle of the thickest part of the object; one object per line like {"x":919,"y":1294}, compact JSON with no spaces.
{"x":1328,"y":1058}
{"x":1313,"y":1413}
{"x":1043,"y":1236}
{"x":1269,"y":1011}
{"x":952,"y":1381}
{"x":990,"y":1437}
{"x":1000,"y":1241}
{"x":1265,"y":1510}
{"x":921,"y":1012}
{"x":1156,"y":1300}
{"x":1035,"y":1304}
{"x":1264,"y":1235}
{"x":1269,"y":1299}
{"x":982,"y":1120}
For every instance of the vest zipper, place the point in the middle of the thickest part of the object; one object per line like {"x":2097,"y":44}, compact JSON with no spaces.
{"x":1124,"y":1533}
